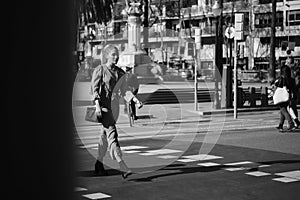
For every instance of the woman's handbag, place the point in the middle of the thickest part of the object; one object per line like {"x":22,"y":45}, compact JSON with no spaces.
{"x":281,"y":95}
{"x":91,"y":115}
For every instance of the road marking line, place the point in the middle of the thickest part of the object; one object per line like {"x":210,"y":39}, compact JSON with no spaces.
{"x":132,"y":151}
{"x":88,"y":146}
{"x":208,"y":164}
{"x":258,"y":173}
{"x":285,"y":179}
{"x":79,"y":189}
{"x":167,"y":157}
{"x":132,"y":147}
{"x":98,"y":195}
{"x":261,"y":166}
{"x":202,"y":157}
{"x":233,"y":169}
{"x":162,"y":151}
{"x":239,"y":163}
{"x":186,"y":160}
{"x":290,"y":174}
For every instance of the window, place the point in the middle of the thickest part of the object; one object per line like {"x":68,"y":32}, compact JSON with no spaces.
{"x":294,"y":17}
{"x":268,"y":1}
{"x":264,"y":20}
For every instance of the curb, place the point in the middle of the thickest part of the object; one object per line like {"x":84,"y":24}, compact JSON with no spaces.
{"x":241,"y":110}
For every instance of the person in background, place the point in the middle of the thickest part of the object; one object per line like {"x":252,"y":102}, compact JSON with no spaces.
{"x":133,"y":85}
{"x":286,"y":80}
{"x":108,"y":86}
{"x":294,"y":100}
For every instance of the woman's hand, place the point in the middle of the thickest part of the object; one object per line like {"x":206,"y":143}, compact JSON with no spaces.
{"x":98,"y":111}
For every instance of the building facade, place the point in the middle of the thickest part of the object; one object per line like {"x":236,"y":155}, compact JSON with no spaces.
{"x":172,"y":25}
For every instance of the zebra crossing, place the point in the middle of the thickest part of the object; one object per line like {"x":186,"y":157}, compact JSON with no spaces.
{"x":89,"y":134}
{"x":206,"y":161}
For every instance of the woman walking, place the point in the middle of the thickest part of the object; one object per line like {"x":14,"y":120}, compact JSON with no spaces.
{"x":107,"y":87}
{"x":285,"y":80}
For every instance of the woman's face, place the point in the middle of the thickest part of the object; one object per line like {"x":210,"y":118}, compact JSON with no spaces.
{"x":113,"y":56}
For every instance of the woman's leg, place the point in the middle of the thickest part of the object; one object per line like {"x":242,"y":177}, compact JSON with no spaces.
{"x":115,"y":150}
{"x":102,"y":148}
{"x":133,"y":110}
{"x":284,"y":112}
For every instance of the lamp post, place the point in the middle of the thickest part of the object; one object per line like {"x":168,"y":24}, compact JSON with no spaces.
{"x":217,"y":11}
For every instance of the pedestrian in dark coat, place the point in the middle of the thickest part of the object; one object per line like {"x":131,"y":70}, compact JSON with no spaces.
{"x":286,"y":80}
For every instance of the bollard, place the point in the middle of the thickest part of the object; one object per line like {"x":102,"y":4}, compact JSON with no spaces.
{"x":252,"y":98}
{"x":264,"y":97}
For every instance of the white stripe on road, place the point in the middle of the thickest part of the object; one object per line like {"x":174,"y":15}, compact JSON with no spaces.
{"x":290,"y":174}
{"x":239,"y":163}
{"x":132,"y":147}
{"x":167,"y":157}
{"x":97,"y":195}
{"x":285,"y":180}
{"x":185,"y":160}
{"x":208,"y":164}
{"x":79,"y":189}
{"x":159,"y":152}
{"x":258,"y":173}
{"x":233,"y":169}
{"x":199,"y":157}
{"x":131,"y":151}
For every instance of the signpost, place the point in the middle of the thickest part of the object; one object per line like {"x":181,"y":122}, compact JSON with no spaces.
{"x":239,"y":17}
{"x":197,"y":63}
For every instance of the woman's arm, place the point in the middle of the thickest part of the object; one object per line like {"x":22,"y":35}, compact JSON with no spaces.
{"x":96,"y":88}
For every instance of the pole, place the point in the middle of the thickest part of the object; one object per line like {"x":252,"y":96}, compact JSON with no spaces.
{"x":195,"y":79}
{"x":217,"y":67}
{"x":289,"y":22}
{"x":235,"y":80}
{"x":146,"y":26}
{"x":272,"y":48}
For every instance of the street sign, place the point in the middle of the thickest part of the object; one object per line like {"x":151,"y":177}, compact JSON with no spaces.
{"x":239,"y":35}
{"x":238,"y":24}
{"x":229,"y":32}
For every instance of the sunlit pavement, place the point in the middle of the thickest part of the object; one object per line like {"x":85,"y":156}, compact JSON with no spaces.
{"x":247,"y":159}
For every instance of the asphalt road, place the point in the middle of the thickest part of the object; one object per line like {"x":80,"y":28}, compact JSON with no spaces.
{"x":218,"y":158}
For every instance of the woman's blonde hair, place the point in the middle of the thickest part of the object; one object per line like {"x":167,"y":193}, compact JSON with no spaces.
{"x":106,"y":50}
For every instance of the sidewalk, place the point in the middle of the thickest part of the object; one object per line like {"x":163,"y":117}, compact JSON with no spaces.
{"x":157,"y":113}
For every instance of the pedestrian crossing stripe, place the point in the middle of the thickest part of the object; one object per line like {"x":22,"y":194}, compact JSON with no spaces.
{"x":124,"y":148}
{"x":233,"y":169}
{"x":291,"y":174}
{"x":208,"y":164}
{"x":258,"y":173}
{"x":199,"y":157}
{"x":167,"y":157}
{"x":97,"y":195}
{"x":239,"y":163}
{"x":185,"y":160}
{"x":79,"y":189}
{"x":285,"y":180}
{"x":160,"y":151}
{"x":132,"y":151}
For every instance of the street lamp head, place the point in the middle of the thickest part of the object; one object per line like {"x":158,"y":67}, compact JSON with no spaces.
{"x":216,"y":8}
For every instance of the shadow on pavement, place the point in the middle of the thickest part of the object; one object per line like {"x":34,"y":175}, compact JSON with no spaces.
{"x":181,"y":170}
{"x":91,"y":173}
{"x":280,"y":161}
